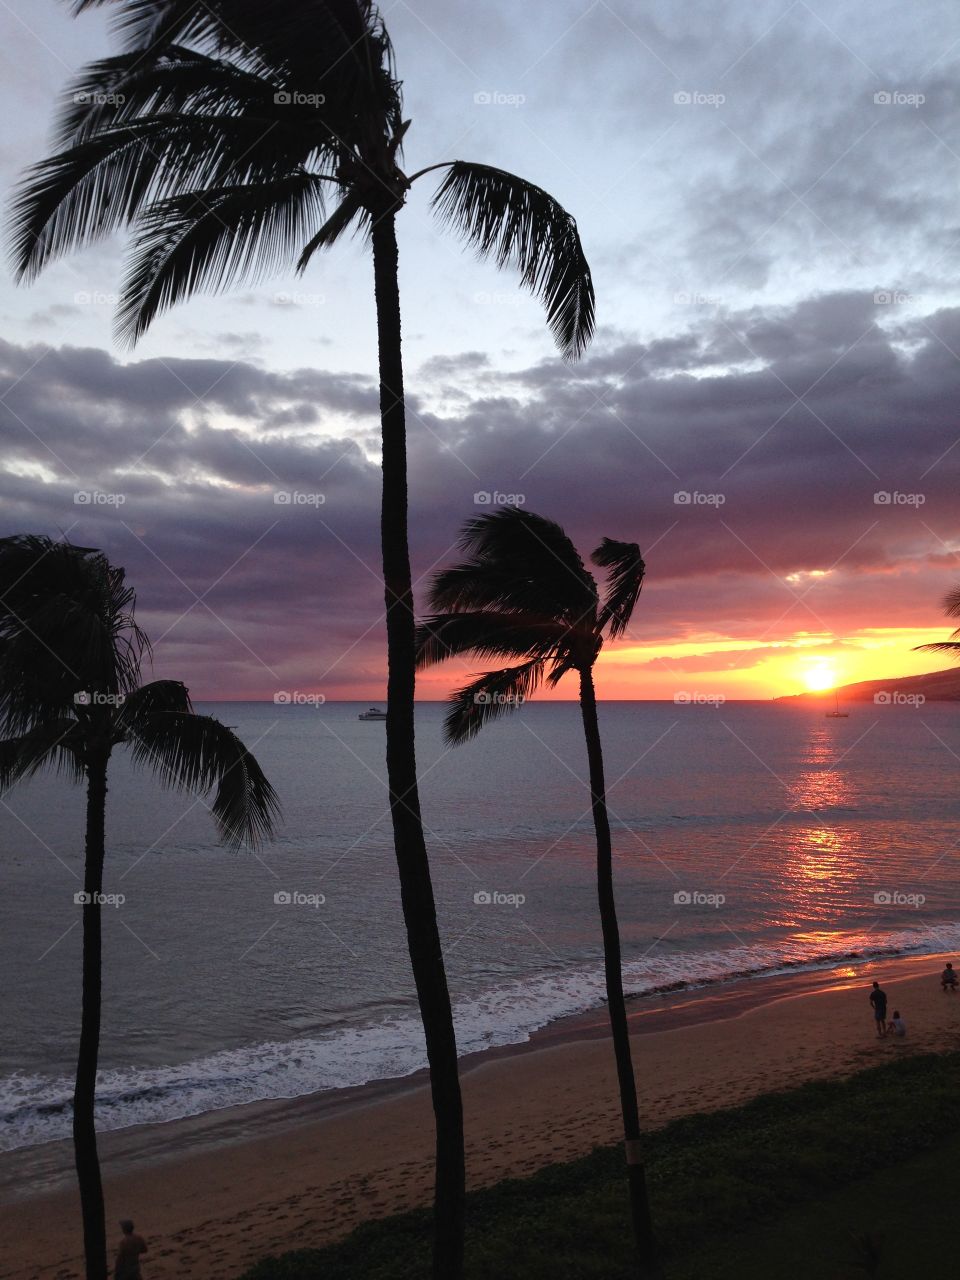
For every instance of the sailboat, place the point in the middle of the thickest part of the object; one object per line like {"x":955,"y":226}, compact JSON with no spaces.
{"x":837,"y":714}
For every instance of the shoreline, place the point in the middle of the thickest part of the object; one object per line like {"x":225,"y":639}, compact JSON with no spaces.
{"x":157,"y":1142}
{"x":266,"y":1176}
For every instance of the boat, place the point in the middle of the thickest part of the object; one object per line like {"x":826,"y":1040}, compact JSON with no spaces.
{"x":837,"y":714}
{"x":374,"y":713}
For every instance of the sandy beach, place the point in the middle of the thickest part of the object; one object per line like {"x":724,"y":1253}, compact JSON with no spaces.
{"x":214,"y":1193}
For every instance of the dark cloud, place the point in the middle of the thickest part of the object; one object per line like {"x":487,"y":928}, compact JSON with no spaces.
{"x":244,"y":502}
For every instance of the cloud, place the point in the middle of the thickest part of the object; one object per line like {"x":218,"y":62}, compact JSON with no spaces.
{"x":781,"y":456}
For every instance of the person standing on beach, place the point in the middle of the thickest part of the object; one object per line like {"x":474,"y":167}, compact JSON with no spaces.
{"x":878,"y":999}
{"x":129,"y":1251}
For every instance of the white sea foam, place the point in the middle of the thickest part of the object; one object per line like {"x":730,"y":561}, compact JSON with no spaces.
{"x":36,"y":1109}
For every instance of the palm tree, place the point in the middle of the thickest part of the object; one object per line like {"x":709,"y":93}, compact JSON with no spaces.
{"x":951,"y":607}
{"x":524,"y":594}
{"x":70,"y":658}
{"x":218,"y":136}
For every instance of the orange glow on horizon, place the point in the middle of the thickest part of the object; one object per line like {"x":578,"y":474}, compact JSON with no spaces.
{"x":804,"y":663}
{"x":732,"y":668}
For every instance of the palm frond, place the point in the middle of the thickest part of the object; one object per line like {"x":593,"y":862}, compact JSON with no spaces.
{"x":493,"y":694}
{"x":518,"y":562}
{"x":520,"y":225}
{"x":564,"y":662}
{"x":211,"y":238}
{"x":56,"y":744}
{"x":157,"y":696}
{"x":940,"y":646}
{"x":951,"y":603}
{"x":299,"y":35}
{"x":624,"y":580}
{"x":486,"y":634}
{"x":66,"y":627}
{"x":175,"y":81}
{"x":349,"y":208}
{"x":101,"y":185}
{"x":196,"y":753}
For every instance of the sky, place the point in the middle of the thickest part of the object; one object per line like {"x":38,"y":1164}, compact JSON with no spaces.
{"x":769,"y":197}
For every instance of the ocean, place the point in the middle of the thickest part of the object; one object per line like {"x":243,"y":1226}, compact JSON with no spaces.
{"x":750,"y":838}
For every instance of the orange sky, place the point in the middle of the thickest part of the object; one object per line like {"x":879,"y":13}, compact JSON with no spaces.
{"x":740,"y":668}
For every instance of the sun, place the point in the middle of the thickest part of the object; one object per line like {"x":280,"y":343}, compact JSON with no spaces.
{"x":820,"y":677}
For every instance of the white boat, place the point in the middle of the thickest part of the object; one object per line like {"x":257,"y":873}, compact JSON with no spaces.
{"x":374,"y":713}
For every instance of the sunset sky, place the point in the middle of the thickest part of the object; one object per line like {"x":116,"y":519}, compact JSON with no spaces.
{"x":769,"y":196}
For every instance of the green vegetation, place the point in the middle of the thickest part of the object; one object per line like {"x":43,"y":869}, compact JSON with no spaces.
{"x":777,"y":1189}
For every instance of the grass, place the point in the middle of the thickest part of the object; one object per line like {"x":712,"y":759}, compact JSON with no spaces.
{"x":776,"y":1189}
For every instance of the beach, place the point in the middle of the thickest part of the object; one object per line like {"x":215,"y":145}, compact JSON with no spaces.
{"x":214,"y":1193}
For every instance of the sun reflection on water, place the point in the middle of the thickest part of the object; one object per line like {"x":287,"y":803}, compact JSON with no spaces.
{"x":821,"y":865}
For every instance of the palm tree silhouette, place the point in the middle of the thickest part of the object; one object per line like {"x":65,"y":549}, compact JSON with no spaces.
{"x":951,"y":607}
{"x":217,"y":135}
{"x":523,"y":593}
{"x":70,"y":692}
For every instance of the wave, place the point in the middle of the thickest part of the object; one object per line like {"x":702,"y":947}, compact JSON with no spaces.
{"x":35,"y":1108}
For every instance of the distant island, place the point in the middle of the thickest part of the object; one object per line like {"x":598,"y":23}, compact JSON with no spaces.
{"x":935,"y":686}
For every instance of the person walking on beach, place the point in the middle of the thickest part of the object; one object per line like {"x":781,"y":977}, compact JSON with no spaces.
{"x":878,"y":999}
{"x":129,"y":1251}
{"x":948,"y":979}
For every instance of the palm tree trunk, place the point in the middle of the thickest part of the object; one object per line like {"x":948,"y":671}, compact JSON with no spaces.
{"x":84,"y":1129}
{"x":416,"y":888}
{"x":636,"y":1176}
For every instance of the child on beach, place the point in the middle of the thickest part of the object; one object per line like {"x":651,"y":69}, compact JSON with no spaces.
{"x":948,"y":979}
{"x":897,"y":1024}
{"x":129,"y":1251}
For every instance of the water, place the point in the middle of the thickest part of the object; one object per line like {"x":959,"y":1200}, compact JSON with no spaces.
{"x":781,"y":828}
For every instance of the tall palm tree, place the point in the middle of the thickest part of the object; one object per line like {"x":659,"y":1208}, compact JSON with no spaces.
{"x":218,"y":136}
{"x":70,"y":692}
{"x":951,"y":607}
{"x":523,"y":594}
